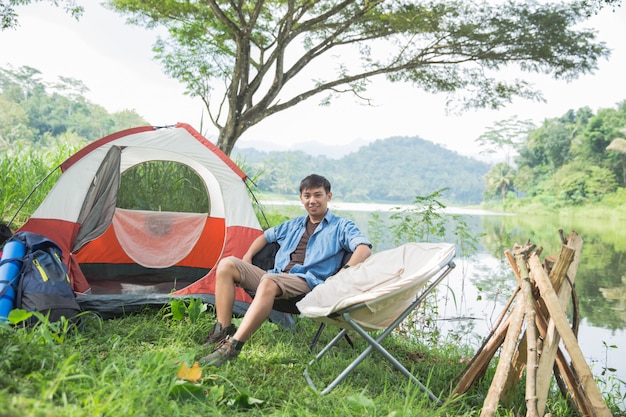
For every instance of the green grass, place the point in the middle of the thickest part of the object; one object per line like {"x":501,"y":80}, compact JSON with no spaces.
{"x":129,"y":366}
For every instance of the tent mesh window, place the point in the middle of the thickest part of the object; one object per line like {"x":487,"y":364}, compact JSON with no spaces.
{"x":163,"y":186}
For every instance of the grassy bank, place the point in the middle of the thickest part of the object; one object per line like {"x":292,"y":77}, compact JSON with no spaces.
{"x":612,"y":207}
{"x":131,"y":366}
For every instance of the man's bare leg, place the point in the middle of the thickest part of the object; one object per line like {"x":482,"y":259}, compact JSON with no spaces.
{"x":259,"y":310}
{"x":226,"y":277}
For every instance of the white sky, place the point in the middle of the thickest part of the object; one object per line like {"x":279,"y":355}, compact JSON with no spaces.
{"x":114,"y":60}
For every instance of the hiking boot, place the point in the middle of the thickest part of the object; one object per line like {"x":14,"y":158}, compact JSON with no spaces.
{"x":226,"y":350}
{"x":218,"y":333}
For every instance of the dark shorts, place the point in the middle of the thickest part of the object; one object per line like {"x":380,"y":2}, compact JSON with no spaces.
{"x":251,"y":276}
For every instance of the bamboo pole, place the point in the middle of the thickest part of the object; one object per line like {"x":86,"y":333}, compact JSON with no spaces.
{"x":517,"y":369}
{"x":567,"y":376}
{"x":531,"y":335}
{"x":504,"y":364}
{"x":565,"y":265}
{"x":561,"y":324}
{"x":478,"y":365}
{"x":520,"y":359}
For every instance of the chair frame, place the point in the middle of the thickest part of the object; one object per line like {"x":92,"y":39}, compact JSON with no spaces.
{"x":375,"y":343}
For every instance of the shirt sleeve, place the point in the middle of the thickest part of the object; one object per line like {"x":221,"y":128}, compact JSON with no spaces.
{"x":270,"y":235}
{"x":354,"y":237}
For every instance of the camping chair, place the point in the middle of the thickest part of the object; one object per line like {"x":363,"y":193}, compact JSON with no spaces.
{"x":264,"y":259}
{"x":375,"y":295}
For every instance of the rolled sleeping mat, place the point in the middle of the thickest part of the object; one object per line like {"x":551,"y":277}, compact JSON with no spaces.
{"x":9,"y":269}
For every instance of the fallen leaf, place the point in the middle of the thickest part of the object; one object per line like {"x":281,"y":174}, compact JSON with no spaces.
{"x":192,"y":374}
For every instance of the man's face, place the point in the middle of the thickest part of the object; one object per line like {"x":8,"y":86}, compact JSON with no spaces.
{"x":315,"y":201}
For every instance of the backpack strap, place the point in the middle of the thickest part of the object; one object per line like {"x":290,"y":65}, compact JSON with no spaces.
{"x":4,"y":261}
{"x":6,"y":287}
{"x":19,"y":290}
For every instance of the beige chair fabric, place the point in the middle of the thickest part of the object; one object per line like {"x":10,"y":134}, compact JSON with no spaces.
{"x":387,"y":282}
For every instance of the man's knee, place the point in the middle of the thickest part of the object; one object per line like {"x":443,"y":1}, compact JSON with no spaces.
{"x":227,"y":269}
{"x":226,"y":262}
{"x":269,"y":287}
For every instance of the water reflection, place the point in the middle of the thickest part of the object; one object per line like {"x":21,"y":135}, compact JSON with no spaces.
{"x":600,"y":277}
{"x":475,"y":294}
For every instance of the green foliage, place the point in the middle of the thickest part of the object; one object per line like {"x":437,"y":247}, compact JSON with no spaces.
{"x":44,"y":331}
{"x":616,"y":199}
{"x":424,"y":220}
{"x":29,"y":172}
{"x":577,"y":184}
{"x":187,"y":309}
{"x":500,"y":180}
{"x":163,"y":186}
{"x":259,"y":50}
{"x":568,"y":161}
{"x":33,"y":110}
{"x":9,"y":17}
{"x":505,"y":137}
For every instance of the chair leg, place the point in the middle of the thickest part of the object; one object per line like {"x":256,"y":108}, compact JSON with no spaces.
{"x":349,"y":340}
{"x":375,"y":343}
{"x":319,"y":333}
{"x":317,"y":337}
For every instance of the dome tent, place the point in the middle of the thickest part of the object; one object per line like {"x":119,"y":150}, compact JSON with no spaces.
{"x":146,"y":214}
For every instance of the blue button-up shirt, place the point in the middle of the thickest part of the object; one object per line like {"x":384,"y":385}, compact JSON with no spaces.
{"x":327,"y":245}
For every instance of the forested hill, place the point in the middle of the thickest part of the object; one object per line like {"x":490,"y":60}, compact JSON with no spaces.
{"x":393,"y":170}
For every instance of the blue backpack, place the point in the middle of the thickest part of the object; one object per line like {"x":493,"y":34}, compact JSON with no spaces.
{"x":43,"y":283}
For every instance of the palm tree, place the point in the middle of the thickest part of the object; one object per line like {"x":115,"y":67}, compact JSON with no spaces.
{"x":500,"y":179}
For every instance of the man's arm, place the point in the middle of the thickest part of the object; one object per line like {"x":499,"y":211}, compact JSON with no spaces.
{"x":361,"y":253}
{"x":254,"y":248}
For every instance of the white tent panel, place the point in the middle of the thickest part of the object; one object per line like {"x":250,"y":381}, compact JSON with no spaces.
{"x":228,"y":194}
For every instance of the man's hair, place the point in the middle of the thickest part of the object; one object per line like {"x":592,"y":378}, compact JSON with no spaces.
{"x":314,"y":181}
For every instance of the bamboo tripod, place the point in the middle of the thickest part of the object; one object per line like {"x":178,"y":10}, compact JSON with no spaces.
{"x":542,"y":298}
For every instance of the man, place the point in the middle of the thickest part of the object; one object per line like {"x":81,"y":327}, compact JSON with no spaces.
{"x":311,"y":250}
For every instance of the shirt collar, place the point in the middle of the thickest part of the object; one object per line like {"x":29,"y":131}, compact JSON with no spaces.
{"x":328,"y":217}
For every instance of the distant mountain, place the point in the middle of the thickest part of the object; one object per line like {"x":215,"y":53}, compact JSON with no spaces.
{"x":310,"y":148}
{"x":392,"y":170}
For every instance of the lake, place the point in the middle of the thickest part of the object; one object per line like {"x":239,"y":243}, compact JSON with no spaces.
{"x":476,"y":292}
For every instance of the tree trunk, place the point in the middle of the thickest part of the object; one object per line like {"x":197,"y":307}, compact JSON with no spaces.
{"x":226,"y":140}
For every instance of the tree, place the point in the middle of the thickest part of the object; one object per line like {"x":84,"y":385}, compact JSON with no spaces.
{"x":579,"y":182}
{"x":272,"y":54}
{"x":13,"y":124}
{"x":29,"y":112}
{"x":8,"y":15}
{"x":500,"y":179}
{"x":505,"y":137}
{"x":598,"y":134}
{"x":619,"y":145}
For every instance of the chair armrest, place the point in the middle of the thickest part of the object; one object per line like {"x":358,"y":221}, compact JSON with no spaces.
{"x":264,"y":259}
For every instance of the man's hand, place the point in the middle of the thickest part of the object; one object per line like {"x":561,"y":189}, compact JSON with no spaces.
{"x":361,"y":253}
{"x":254,"y":248}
